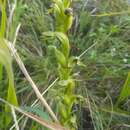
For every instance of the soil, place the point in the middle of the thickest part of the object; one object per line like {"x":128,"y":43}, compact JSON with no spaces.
{"x":86,"y":121}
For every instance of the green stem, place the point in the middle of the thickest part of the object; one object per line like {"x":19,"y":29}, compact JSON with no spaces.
{"x":1,"y":72}
{"x":3,"y":22}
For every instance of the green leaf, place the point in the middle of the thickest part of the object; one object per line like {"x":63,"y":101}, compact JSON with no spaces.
{"x":63,"y":111}
{"x":65,"y":42}
{"x":60,"y":4}
{"x":38,"y":111}
{"x":1,"y":71}
{"x":3,"y":21}
{"x":48,"y":34}
{"x":125,"y":92}
{"x":73,"y":119}
{"x":6,"y":61}
{"x":62,"y":38}
{"x":60,"y":56}
{"x":67,"y":3}
{"x":57,"y":11}
{"x":19,"y":10}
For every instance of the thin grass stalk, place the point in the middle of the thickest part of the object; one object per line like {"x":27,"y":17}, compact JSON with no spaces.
{"x":16,"y":33}
{"x":37,"y":92}
{"x":36,"y":101}
{"x":83,"y":53}
{"x":112,"y":14}
{"x":49,"y":125}
{"x":12,"y":10}
{"x":15,"y":118}
{"x":6,"y":61}
{"x":1,"y":72}
{"x":3,"y":21}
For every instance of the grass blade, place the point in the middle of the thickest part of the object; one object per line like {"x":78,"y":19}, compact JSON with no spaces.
{"x":125,"y":92}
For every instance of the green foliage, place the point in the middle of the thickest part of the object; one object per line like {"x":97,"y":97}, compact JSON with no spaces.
{"x":106,"y":63}
{"x":125,"y":92}
{"x":6,"y":61}
{"x":3,"y":20}
{"x":100,"y":78}
{"x":38,"y":111}
{"x":17,"y":16}
{"x":63,"y":40}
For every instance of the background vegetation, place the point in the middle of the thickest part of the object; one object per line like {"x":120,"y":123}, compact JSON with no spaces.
{"x":99,"y":37}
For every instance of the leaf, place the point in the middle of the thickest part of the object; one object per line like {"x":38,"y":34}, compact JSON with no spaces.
{"x":50,"y":125}
{"x":60,"y":56}
{"x":3,"y":21}
{"x":125,"y":92}
{"x":73,"y":119}
{"x":48,"y":34}
{"x":64,"y":41}
{"x":38,"y":111}
{"x":67,"y":3}
{"x":1,"y":72}
{"x":63,"y":111}
{"x":57,"y":11}
{"x":60,"y":5}
{"x":6,"y":61}
{"x":47,"y":124}
{"x":19,"y":10}
{"x":116,"y":111}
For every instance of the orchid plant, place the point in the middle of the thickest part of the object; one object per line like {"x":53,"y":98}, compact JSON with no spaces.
{"x":63,"y":16}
